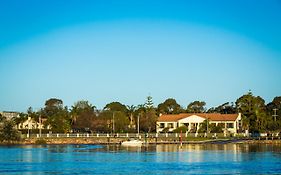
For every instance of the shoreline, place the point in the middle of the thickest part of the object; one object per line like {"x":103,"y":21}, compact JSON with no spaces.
{"x":115,"y":141}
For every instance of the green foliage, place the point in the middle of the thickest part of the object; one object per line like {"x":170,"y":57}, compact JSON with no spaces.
{"x":182,"y":129}
{"x":41,"y":142}
{"x":22,"y":117}
{"x":165,"y":130}
{"x":57,"y":116}
{"x":1,"y":118}
{"x":149,"y":103}
{"x":131,"y":113}
{"x":148,"y":118}
{"x":116,"y":106}
{"x":204,"y":127}
{"x":116,"y":116}
{"x":226,"y":108}
{"x":169,"y":106}
{"x":121,"y":122}
{"x":7,"y":132}
{"x":215,"y":128}
{"x":253,"y":110}
{"x":82,"y":115}
{"x":196,"y":107}
{"x":256,"y":115}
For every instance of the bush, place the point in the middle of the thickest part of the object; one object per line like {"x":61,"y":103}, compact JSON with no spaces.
{"x":181,"y":129}
{"x":8,"y":133}
{"x":216,"y":129}
{"x":166,"y":129}
{"x":40,"y":142}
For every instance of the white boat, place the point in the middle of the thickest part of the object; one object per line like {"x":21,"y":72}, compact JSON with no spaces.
{"x":133,"y":142}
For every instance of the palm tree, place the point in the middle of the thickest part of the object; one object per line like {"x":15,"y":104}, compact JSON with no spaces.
{"x":131,"y":111}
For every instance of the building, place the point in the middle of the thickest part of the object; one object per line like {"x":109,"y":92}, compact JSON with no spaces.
{"x":229,"y":122}
{"x":9,"y":114}
{"x":32,"y":124}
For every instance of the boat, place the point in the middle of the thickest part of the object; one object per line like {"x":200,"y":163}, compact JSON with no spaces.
{"x":132,"y":142}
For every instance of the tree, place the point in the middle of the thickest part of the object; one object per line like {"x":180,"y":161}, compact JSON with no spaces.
{"x":8,"y":133}
{"x":226,"y":108}
{"x":19,"y":120}
{"x":149,"y":102}
{"x":204,"y":126}
{"x":196,"y":107}
{"x":57,"y":115}
{"x":116,"y":113}
{"x":253,"y":112}
{"x":215,"y":128}
{"x":274,"y":113}
{"x":116,"y":106}
{"x":54,"y":103}
{"x":169,"y":106}
{"x":180,"y":129}
{"x":1,"y":118}
{"x":131,"y":112}
{"x":147,"y":116}
{"x":82,"y":116}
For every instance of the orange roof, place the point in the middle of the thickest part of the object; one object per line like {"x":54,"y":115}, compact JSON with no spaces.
{"x":210,"y":116}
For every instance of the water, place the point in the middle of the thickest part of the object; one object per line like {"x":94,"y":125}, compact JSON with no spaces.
{"x":157,"y":159}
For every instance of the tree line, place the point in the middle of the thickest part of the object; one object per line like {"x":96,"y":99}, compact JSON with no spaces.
{"x":257,"y":116}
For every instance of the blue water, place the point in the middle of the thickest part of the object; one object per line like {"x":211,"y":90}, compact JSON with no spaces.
{"x":157,"y":159}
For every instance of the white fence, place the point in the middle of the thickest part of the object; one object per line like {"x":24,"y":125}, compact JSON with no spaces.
{"x":129,"y":135}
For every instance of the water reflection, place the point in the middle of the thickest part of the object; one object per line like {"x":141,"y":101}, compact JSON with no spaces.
{"x":156,"y":159}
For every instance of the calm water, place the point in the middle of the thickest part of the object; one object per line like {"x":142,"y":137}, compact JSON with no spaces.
{"x":160,"y":159}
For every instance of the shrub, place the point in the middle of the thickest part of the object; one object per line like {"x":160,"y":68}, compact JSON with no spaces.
{"x":181,"y":128}
{"x":166,"y":129}
{"x":8,"y":133}
{"x":40,"y":142}
{"x":216,"y":129}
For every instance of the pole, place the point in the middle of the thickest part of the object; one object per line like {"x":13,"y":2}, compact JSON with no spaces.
{"x":138,"y":125}
{"x":207,"y":127}
{"x":40,"y":125}
{"x":113,"y":128}
{"x":181,"y":139}
{"x":275,"y":114}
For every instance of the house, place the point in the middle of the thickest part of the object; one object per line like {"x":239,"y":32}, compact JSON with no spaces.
{"x":229,"y":122}
{"x":32,"y":124}
{"x":9,"y":114}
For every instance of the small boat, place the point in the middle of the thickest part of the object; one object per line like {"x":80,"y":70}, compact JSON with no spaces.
{"x":132,"y":142}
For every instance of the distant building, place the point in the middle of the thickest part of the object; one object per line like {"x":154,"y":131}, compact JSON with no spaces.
{"x":32,"y":124}
{"x":9,"y":114}
{"x":229,"y":122}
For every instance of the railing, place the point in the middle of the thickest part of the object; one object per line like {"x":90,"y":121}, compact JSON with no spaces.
{"x":132,"y":135}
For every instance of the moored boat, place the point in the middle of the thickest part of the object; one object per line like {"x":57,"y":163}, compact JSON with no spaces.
{"x":133,"y":142}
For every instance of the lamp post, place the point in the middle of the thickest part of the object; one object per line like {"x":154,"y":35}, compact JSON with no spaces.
{"x":40,"y":125}
{"x":275,"y":114}
{"x":28,"y":126}
{"x":138,"y":125}
{"x":113,"y":127}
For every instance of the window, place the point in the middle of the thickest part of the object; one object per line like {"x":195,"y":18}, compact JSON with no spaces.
{"x":170,"y":125}
{"x":230,"y":125}
{"x":162,"y":125}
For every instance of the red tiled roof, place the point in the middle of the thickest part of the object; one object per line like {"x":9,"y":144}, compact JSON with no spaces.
{"x":210,"y":116}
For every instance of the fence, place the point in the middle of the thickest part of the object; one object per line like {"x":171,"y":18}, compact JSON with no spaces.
{"x":132,"y":135}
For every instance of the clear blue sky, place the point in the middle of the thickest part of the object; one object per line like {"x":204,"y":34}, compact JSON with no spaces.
{"x":123,"y":50}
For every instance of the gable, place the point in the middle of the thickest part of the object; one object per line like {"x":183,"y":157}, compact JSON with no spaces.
{"x":192,"y":119}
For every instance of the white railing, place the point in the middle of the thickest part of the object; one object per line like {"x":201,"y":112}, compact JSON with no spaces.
{"x":128,"y":135}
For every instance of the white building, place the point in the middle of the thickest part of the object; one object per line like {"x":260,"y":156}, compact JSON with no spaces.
{"x":32,"y":124}
{"x":229,"y":122}
{"x":9,"y":114}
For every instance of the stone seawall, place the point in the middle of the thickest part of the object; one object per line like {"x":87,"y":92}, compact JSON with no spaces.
{"x":113,"y":140}
{"x":75,"y":140}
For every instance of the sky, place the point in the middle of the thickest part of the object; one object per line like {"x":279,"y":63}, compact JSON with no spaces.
{"x":107,"y":50}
